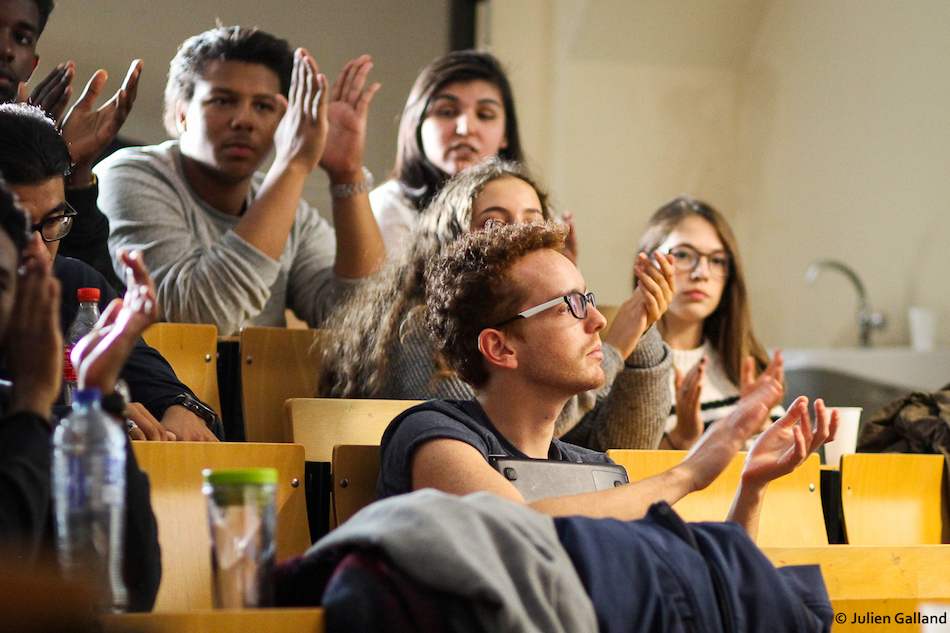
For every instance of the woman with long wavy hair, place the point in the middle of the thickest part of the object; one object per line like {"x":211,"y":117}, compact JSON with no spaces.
{"x":708,"y":324}
{"x":381,"y":349}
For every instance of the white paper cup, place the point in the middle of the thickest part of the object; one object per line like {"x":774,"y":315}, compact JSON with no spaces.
{"x":923,"y":328}
{"x":846,"y":439}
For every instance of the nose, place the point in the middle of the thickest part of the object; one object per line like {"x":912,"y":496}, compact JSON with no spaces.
{"x":461,"y":125}
{"x":7,"y":51}
{"x":701,"y":269}
{"x":595,"y":321}
{"x":243,"y":117}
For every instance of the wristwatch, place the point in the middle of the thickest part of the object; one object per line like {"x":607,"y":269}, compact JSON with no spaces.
{"x":349,"y":190}
{"x":197,"y":407}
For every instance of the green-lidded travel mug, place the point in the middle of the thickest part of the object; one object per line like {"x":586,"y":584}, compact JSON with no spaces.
{"x":242,"y":515}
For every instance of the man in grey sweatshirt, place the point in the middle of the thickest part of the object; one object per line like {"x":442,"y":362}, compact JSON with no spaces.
{"x":228,"y":245}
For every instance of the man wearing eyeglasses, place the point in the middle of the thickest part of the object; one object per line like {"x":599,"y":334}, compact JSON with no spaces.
{"x":34,"y":159}
{"x":513,"y":318}
{"x":88,"y":131}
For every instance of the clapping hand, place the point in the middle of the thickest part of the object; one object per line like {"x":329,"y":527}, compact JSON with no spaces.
{"x":89,"y":131}
{"x":347,"y":113}
{"x":649,"y":301}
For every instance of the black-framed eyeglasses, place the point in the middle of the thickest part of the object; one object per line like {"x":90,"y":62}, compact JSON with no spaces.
{"x":577,"y":303}
{"x":686,"y":259}
{"x":57,"y":227}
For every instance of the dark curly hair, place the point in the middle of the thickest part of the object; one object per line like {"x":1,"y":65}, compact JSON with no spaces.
{"x":224,"y":43}
{"x":469,"y":289}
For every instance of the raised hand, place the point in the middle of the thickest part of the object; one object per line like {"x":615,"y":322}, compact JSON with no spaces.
{"x":775,"y":370}
{"x":719,"y":444}
{"x":302,"y":133}
{"x":689,"y":416}
{"x":650,"y":299}
{"x":783,"y":447}
{"x":99,"y":355}
{"x":54,"y":92}
{"x":88,"y":132}
{"x":347,"y":113}
{"x":34,"y":340}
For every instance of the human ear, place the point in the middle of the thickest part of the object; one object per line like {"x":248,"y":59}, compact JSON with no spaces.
{"x":494,"y":346}
{"x":181,"y":117}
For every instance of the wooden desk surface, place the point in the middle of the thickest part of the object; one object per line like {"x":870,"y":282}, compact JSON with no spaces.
{"x":218,"y":621}
{"x":854,"y":572}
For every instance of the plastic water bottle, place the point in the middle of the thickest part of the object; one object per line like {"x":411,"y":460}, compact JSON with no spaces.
{"x":85,"y":319}
{"x":89,"y":499}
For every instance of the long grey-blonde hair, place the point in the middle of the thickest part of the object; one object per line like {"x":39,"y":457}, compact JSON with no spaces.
{"x":355,"y":364}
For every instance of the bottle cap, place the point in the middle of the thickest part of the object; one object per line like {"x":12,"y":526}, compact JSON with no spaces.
{"x":86,"y":397}
{"x":88,"y":294}
{"x":240,"y":476}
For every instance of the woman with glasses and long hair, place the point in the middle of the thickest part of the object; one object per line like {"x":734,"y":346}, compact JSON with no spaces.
{"x":460,"y":111}
{"x":707,"y":325}
{"x":381,"y":349}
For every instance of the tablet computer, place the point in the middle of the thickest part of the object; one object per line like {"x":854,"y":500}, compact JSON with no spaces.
{"x":542,"y":478}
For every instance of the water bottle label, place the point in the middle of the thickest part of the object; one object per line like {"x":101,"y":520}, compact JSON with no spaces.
{"x":76,"y":491}
{"x":112,"y":490}
{"x":69,"y":372}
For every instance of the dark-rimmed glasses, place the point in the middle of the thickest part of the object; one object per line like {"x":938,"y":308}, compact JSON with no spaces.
{"x":577,"y":303}
{"x":686,"y":259}
{"x":57,"y":227}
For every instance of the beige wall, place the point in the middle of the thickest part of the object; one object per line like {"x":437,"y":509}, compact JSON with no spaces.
{"x":402,"y":37}
{"x":820,"y":129}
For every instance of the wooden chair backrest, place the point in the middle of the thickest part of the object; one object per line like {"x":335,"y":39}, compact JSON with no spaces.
{"x":322,"y":423}
{"x":791,"y":513}
{"x":192,"y":351}
{"x":893,"y":499}
{"x":174,"y":470}
{"x":855,"y":572}
{"x":355,"y":471}
{"x":276,"y":364}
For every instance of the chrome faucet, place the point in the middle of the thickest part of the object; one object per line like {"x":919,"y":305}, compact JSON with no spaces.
{"x":867,"y":320}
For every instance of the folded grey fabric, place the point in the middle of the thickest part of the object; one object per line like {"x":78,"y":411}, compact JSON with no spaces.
{"x":502,"y":556}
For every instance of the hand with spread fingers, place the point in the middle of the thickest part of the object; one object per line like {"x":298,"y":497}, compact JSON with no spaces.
{"x":347,"y":113}
{"x":785,"y":445}
{"x":89,"y":131}
{"x":779,"y":450}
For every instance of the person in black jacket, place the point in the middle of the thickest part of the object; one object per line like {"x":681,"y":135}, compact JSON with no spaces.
{"x":34,"y":159}
{"x":31,"y":350}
